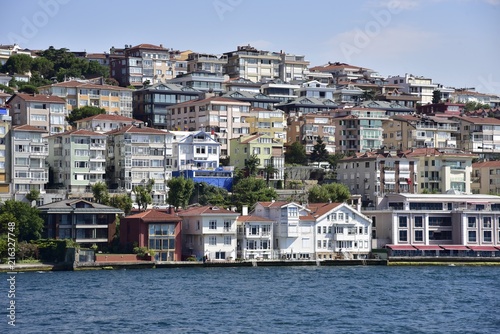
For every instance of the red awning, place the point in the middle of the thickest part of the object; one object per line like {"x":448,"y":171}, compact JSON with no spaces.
{"x":454,"y":247}
{"x":483,"y":248}
{"x":401,"y":247}
{"x":427,"y":247}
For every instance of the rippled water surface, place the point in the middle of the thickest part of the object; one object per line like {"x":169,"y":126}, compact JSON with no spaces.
{"x":260,"y":300}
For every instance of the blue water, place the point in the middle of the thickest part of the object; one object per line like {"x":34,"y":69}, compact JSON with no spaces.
{"x":259,"y":300}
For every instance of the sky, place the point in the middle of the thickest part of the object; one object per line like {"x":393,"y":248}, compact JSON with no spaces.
{"x":454,"y":42}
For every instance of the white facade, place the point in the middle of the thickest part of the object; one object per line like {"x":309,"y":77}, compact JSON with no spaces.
{"x":415,"y":85}
{"x":209,"y":233}
{"x":255,"y":238}
{"x":194,"y":150}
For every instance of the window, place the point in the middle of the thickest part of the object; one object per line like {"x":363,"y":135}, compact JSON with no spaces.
{"x":324,"y":229}
{"x":472,"y":236}
{"x":403,"y":235}
{"x":418,"y":221}
{"x":487,"y":236}
{"x":403,"y":221}
{"x":212,"y":224}
{"x":220,"y":255}
{"x":319,"y":229}
{"x":293,"y":211}
{"x":227,"y":240}
{"x":419,"y":235}
{"x":471,"y":222}
{"x":212,"y":240}
{"x":227,"y":226}
{"x":487,"y":222}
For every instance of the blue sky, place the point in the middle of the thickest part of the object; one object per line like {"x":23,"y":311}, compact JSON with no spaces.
{"x":455,"y":42}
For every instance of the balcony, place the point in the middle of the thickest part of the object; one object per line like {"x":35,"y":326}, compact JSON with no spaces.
{"x":97,"y":146}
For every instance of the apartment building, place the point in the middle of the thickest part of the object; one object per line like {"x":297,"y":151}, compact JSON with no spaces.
{"x":306,"y":105}
{"x":9,"y":50}
{"x":47,"y":112}
{"x":221,"y":117}
{"x":137,"y":154}
{"x":358,"y":129}
{"x":270,"y":122}
{"x":103,"y":123}
{"x":256,"y":99}
{"x":437,"y":222}
{"x":29,"y":151}
{"x":404,"y":132}
{"x":486,"y":177}
{"x":444,"y":109}
{"x":201,"y":80}
{"x":150,"y":103}
{"x":306,"y":129}
{"x":415,"y":85}
{"x":293,"y":67}
{"x":266,"y":148}
{"x":77,"y":94}
{"x":280,"y":90}
{"x":479,"y":135}
{"x":396,"y":96}
{"x":5,"y":152}
{"x":241,"y":85}
{"x":209,"y":233}
{"x":206,"y":62}
{"x":315,"y":88}
{"x":255,"y":237}
{"x":78,"y":161}
{"x":341,"y":72}
{"x":196,"y":150}
{"x":252,"y":64}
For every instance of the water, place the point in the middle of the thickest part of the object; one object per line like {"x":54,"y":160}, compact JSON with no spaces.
{"x":259,"y":300}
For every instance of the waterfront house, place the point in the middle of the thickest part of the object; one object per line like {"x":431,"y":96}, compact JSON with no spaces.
{"x":209,"y":233}
{"x":255,"y":237}
{"x":84,"y":222}
{"x":156,"y":230}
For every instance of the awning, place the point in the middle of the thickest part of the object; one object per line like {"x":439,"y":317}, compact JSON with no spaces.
{"x":454,"y":247}
{"x":427,"y":247}
{"x":401,"y":247}
{"x":483,"y":248}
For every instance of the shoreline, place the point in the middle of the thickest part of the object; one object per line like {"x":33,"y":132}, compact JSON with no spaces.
{"x":31,"y":267}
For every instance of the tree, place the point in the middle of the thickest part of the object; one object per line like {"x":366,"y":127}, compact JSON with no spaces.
{"x":83,"y":112}
{"x":296,"y":154}
{"x":471,"y":106}
{"x":27,"y":219}
{"x":334,"y":192}
{"x":251,"y":165}
{"x":268,"y":171}
{"x":319,"y":152}
{"x":28,"y":89}
{"x":180,"y":191}
{"x":100,"y":192}
{"x":368,"y":95}
{"x":142,"y":194}
{"x":122,"y":201}
{"x":6,"y":89}
{"x":19,"y":63}
{"x":43,"y":67}
{"x":206,"y":194}
{"x":33,"y":195}
{"x":436,"y":96}
{"x":251,"y":190}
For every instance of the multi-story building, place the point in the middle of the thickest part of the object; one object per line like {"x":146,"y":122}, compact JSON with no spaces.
{"x":306,"y":105}
{"x":84,"y":222}
{"x":29,"y":150}
{"x":465,"y":95}
{"x":279,"y":89}
{"x":155,"y":230}
{"x":315,"y":89}
{"x":105,"y":122}
{"x":415,"y":85}
{"x":390,"y":108}
{"x":349,"y":95}
{"x":445,"y":109}
{"x":137,"y":154}
{"x":255,"y":237}
{"x":201,"y":80}
{"x":256,"y":99}
{"x":47,"y":112}
{"x":358,"y":129}
{"x":270,"y":122}
{"x":78,"y":160}
{"x":221,"y":117}
{"x":479,"y":135}
{"x":150,"y":103}
{"x":195,"y":150}
{"x":293,"y":67}
{"x":209,"y":233}
{"x":252,"y":64}
{"x":341,"y":72}
{"x":396,"y":96}
{"x":241,"y":85}
{"x":293,"y":230}
{"x":77,"y":94}
{"x":308,"y":128}
{"x":5,"y":152}
{"x":206,"y":62}
{"x":486,"y":177}
{"x":341,"y":231}
{"x":267,"y":149}
{"x":404,"y":132}
{"x":9,"y":50}
{"x":440,"y":223}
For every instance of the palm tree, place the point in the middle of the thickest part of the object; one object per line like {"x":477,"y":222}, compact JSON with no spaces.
{"x":251,"y":165}
{"x":269,"y":170}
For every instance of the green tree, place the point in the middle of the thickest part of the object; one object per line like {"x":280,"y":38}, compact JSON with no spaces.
{"x":121,"y":201}
{"x":334,"y":192}
{"x":180,"y":191}
{"x":319,"y":152}
{"x":269,"y":171}
{"x":28,"y":89}
{"x":27,"y":219}
{"x":142,"y":194}
{"x":334,"y":159}
{"x":368,"y":95}
{"x":471,"y":106}
{"x":6,"y":89}
{"x":251,"y":165}
{"x":436,"y":96}
{"x":101,"y":193}
{"x":251,"y":190}
{"x":83,"y":112}
{"x":20,"y":64}
{"x":43,"y":67}
{"x":296,"y":154}
{"x":33,"y":195}
{"x":207,"y":194}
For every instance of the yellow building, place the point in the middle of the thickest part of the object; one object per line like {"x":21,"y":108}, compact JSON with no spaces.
{"x":486,"y":177}
{"x":268,"y":150}
{"x":5,"y":124}
{"x":268,"y":122}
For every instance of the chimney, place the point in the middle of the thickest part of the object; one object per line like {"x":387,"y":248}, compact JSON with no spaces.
{"x":244,"y":210}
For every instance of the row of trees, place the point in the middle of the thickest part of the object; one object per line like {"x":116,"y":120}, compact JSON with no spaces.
{"x":296,"y":154}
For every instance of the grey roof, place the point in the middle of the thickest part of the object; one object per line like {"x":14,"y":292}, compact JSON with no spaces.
{"x":69,"y":206}
{"x":310,"y":101}
{"x":249,"y":95}
{"x":383,"y":105}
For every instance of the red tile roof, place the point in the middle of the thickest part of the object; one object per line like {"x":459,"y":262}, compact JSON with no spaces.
{"x":81,"y":132}
{"x":109,"y":117}
{"x":39,"y":98}
{"x":319,"y":209}
{"x":205,"y":210}
{"x":274,"y":204}
{"x":480,"y":120}
{"x":155,"y":215}
{"x":134,"y":129}
{"x":78,"y":84}
{"x":489,"y":164}
{"x":27,"y":127}
{"x":148,"y":46}
{"x":253,"y":219}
